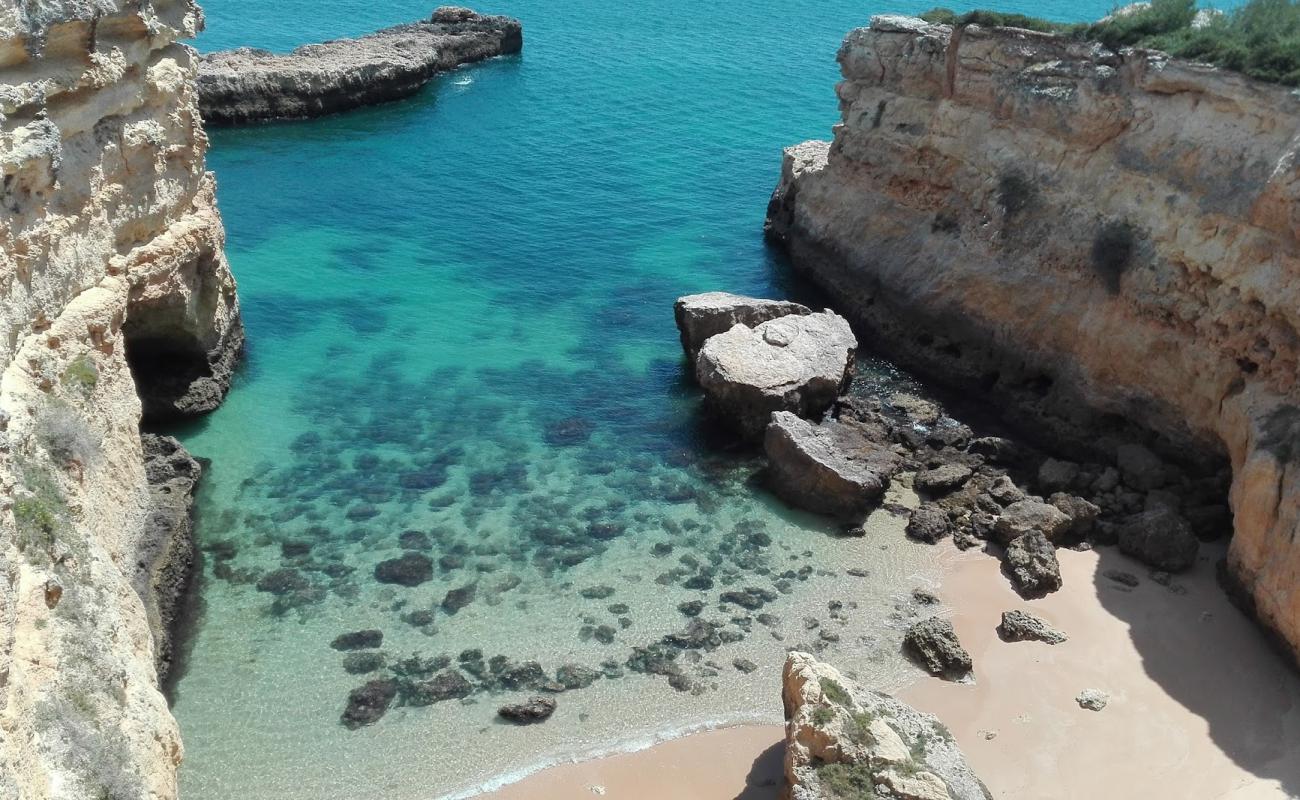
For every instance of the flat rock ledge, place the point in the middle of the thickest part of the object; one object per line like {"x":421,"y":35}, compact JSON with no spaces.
{"x":846,"y":741}
{"x":702,"y":316}
{"x":829,"y":468}
{"x":797,"y":363}
{"x":247,"y":85}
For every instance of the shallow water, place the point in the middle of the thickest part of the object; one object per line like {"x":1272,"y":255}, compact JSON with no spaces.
{"x":460,"y":325}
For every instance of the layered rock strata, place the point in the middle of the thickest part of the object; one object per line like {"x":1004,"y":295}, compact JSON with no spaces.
{"x":110,"y":255}
{"x":846,"y":741}
{"x":248,"y":85}
{"x":1105,"y":243}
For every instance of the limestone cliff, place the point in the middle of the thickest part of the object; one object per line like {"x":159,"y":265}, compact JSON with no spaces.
{"x":110,"y":255}
{"x":1106,"y":243}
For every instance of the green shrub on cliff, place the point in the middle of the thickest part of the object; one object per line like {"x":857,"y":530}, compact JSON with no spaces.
{"x":1260,"y":39}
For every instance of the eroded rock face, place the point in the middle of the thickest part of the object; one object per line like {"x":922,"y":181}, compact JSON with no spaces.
{"x":1106,"y":243}
{"x":828,"y":468}
{"x":846,"y":741}
{"x":700,"y":316}
{"x":933,"y":644}
{"x":247,"y":85}
{"x":796,"y":363}
{"x":1160,"y":538}
{"x":1031,"y":564}
{"x":109,"y":237}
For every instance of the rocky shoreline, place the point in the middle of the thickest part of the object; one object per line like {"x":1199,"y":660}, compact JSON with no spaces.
{"x":247,"y":85}
{"x":1124,"y":291}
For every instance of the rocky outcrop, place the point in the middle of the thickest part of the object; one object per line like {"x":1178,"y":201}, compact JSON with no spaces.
{"x":1108,"y":244}
{"x":166,"y":551}
{"x":797,"y":363}
{"x":701,"y":316}
{"x":846,"y":741}
{"x":247,"y":85}
{"x":933,"y":644}
{"x":829,"y":468}
{"x":110,"y":248}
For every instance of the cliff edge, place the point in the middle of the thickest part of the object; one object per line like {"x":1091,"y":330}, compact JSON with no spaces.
{"x":111,"y":255}
{"x":1105,"y":243}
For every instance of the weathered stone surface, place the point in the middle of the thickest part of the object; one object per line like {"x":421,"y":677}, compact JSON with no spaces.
{"x":843,"y":738}
{"x":933,"y":643}
{"x":1032,"y":566}
{"x":166,"y":555}
{"x":929,"y":524}
{"x":796,"y":363}
{"x":531,"y":712}
{"x":1021,"y":626}
{"x":247,"y":85}
{"x":1140,"y":468}
{"x":1160,"y":538}
{"x":828,"y":468}
{"x":1024,"y":516}
{"x":700,"y":316}
{"x":1082,"y":513}
{"x":1092,"y":699}
{"x":988,"y":212}
{"x":408,"y":569}
{"x":942,"y":480}
{"x":110,"y":246}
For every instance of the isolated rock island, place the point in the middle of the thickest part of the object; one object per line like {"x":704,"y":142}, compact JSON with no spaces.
{"x":247,"y":85}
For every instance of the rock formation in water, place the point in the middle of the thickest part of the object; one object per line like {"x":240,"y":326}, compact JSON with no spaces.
{"x":247,"y":85}
{"x":1109,"y":244}
{"x":845,"y":741}
{"x":700,"y":317}
{"x":831,"y":468}
{"x":110,"y":259}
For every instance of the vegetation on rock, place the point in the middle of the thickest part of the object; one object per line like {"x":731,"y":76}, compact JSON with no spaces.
{"x":1260,"y":39}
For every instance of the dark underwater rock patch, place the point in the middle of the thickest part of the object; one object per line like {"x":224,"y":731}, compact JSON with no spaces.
{"x":358,"y":640}
{"x":410,"y":569}
{"x":531,"y":712}
{"x":458,"y":598}
{"x":368,"y":703}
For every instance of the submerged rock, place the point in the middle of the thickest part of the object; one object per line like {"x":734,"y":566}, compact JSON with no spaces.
{"x":844,"y":741}
{"x":366,"y":704}
{"x":1160,"y":538}
{"x":358,"y":640}
{"x":829,"y":468}
{"x":701,"y":316}
{"x":446,"y":685}
{"x":536,"y":709}
{"x":410,"y":569}
{"x":1032,"y":566}
{"x":247,"y":85}
{"x":933,"y":643}
{"x":1019,"y":626}
{"x":796,"y":363}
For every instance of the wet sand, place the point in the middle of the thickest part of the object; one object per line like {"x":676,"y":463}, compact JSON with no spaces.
{"x":1201,"y":706}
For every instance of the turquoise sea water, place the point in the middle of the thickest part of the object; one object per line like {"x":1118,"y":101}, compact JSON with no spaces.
{"x":460,"y":329}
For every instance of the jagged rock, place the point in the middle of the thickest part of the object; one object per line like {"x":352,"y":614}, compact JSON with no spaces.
{"x":796,"y":363}
{"x":750,"y":598}
{"x":933,"y":643}
{"x":1019,"y":626}
{"x":363,"y":663}
{"x":409,"y":569}
{"x":1141,"y":469}
{"x":942,"y":480}
{"x":929,"y":524}
{"x":1092,"y":699}
{"x":1031,"y":564}
{"x":165,"y":554}
{"x":1160,"y":538}
{"x":1005,"y":492}
{"x":846,"y":741}
{"x":1055,"y":475}
{"x":744,"y":665}
{"x":366,"y":704}
{"x":535,"y":710}
{"x":248,"y":85}
{"x":1082,"y":513}
{"x":575,"y":676}
{"x":829,"y":468}
{"x":997,"y":450}
{"x":358,"y":640}
{"x":700,"y":316}
{"x":1024,"y":516}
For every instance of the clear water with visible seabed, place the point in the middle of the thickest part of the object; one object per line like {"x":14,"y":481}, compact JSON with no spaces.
{"x":461,"y":345}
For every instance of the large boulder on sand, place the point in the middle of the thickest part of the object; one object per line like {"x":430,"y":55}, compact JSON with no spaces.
{"x":829,"y":468}
{"x":846,"y":741}
{"x":1032,"y":566}
{"x":701,"y":316}
{"x":1028,"y":515}
{"x":933,"y":644}
{"x":796,"y":363}
{"x":1160,"y":538}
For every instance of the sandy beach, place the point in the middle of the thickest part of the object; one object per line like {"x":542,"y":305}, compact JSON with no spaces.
{"x":1200,"y":706}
